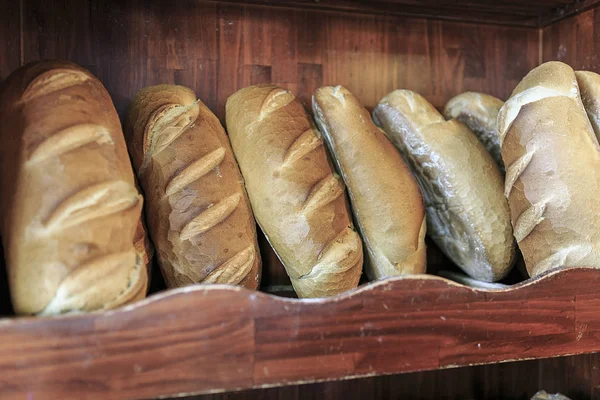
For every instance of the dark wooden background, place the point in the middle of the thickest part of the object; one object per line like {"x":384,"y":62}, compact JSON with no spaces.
{"x":575,"y":41}
{"x":217,"y":48}
{"x":576,"y":377}
{"x":530,"y":13}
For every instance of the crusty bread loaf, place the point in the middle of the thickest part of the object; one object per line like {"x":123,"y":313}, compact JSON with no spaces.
{"x":70,"y":208}
{"x":143,"y":246}
{"x":196,"y":206}
{"x":479,"y":112}
{"x":589,"y":87}
{"x":467,"y":214}
{"x":384,"y":195}
{"x":552,"y":171}
{"x":297,"y":198}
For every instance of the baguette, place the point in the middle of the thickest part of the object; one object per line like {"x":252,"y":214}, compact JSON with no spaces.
{"x":589,"y":86}
{"x":197,"y":209}
{"x":70,"y":208}
{"x":384,"y":195}
{"x":298,"y":200}
{"x":553,"y":162}
{"x":479,"y":112}
{"x":467,"y":214}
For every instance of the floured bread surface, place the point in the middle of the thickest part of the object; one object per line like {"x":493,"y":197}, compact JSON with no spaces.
{"x":553,"y":171}
{"x":589,"y":87}
{"x":71,"y":213}
{"x":479,"y":111}
{"x":197,"y":209}
{"x":298,"y":199}
{"x":384,"y":196}
{"x":467,"y":214}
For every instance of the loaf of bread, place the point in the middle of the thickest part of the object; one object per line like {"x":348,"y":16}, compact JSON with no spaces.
{"x":197,"y":209}
{"x":552,"y":171}
{"x":589,"y":87}
{"x":297,"y":198}
{"x":467,"y":214}
{"x":142,"y":244}
{"x":70,"y":214}
{"x":384,"y":195}
{"x":479,"y":112}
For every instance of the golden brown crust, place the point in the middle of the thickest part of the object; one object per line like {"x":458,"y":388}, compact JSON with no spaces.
{"x":552,"y":158}
{"x":467,"y":214}
{"x":385,"y":197}
{"x":71,"y":211}
{"x":197,"y":209}
{"x":297,"y":198}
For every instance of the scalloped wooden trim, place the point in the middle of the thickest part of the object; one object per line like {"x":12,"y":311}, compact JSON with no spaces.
{"x":203,"y":339}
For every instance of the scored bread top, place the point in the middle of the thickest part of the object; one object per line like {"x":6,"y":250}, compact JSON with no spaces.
{"x":553,"y":171}
{"x":551,"y":79}
{"x":197,"y":208}
{"x":297,"y":197}
{"x":71,"y":211}
{"x":384,"y":196}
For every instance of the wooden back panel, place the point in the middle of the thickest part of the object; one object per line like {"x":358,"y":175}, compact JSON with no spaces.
{"x":217,"y":48}
{"x":575,"y":41}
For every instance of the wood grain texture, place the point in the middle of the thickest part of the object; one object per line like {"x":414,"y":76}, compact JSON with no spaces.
{"x":217,"y":48}
{"x":575,"y":41}
{"x":576,"y":377}
{"x":506,"y":12}
{"x":217,"y":338}
{"x":551,"y":16}
{"x":10,"y":37}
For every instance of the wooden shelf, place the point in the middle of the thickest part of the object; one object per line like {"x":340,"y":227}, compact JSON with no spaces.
{"x":205,"y":339}
{"x":208,"y":339}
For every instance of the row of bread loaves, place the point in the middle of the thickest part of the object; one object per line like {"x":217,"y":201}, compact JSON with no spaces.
{"x":544,"y":135}
{"x":71,"y":212}
{"x":70,"y":220}
{"x":196,"y":204}
{"x":74,"y":235}
{"x":299,"y":201}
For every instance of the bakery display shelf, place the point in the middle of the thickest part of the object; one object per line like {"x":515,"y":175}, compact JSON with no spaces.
{"x":204,"y":339}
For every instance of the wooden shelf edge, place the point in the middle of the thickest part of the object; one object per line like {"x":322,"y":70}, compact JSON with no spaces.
{"x":207,"y":339}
